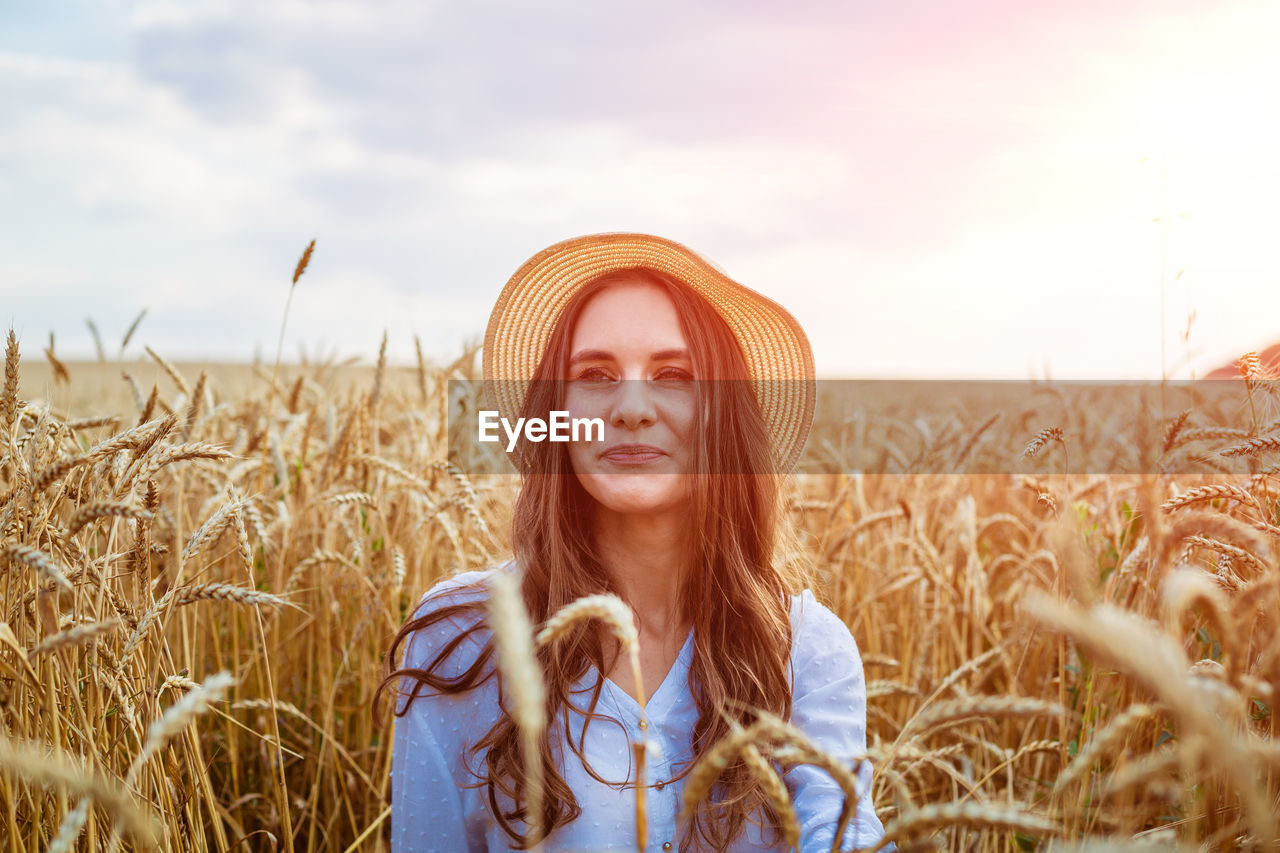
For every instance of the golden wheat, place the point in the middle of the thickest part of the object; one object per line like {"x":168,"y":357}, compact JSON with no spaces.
{"x":932,"y":573}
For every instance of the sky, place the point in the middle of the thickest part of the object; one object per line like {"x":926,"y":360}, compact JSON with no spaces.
{"x":992,"y":189}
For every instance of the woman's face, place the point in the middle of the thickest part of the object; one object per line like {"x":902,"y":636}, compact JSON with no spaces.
{"x":629,"y":365}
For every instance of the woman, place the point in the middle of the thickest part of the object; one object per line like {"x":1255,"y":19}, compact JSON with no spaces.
{"x":705,"y":391}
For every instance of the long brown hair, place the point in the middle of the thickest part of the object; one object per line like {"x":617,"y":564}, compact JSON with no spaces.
{"x":733,"y":591}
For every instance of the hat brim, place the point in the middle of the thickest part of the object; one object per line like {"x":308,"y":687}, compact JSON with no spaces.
{"x":776,"y":349}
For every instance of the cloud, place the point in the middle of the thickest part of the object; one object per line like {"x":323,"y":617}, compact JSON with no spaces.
{"x":958,"y":167}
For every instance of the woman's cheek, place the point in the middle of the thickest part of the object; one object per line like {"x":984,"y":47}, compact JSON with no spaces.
{"x":580,"y":458}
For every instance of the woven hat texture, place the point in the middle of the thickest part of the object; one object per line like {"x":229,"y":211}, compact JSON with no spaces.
{"x":776,"y":348}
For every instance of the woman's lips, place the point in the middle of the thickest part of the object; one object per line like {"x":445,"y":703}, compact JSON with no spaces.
{"x":631,"y":454}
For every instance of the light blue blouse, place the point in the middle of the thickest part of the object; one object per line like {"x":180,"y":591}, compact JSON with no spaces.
{"x":433,"y":809}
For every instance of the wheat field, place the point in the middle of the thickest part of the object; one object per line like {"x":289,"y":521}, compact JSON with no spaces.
{"x":202,"y":568}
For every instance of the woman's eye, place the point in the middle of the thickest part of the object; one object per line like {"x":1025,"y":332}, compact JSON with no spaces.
{"x":674,"y":374}
{"x":594,"y":374}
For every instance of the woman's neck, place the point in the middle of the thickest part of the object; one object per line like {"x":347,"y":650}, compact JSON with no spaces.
{"x":645,"y":554}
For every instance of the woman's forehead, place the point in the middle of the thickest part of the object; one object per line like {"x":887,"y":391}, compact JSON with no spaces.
{"x":629,"y":314}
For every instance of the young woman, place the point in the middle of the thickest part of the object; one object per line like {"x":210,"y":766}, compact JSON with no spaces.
{"x":705,"y":391}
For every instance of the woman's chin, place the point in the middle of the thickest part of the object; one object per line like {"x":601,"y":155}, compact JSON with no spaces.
{"x":638,"y":494}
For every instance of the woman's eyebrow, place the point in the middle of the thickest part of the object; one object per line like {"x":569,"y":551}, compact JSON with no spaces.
{"x":590,"y":355}
{"x":603,"y":355}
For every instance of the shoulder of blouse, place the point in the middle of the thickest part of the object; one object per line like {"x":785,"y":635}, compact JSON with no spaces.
{"x":463,"y":587}
{"x":818,"y":634}
{"x":812,"y":620}
{"x":425,"y":644}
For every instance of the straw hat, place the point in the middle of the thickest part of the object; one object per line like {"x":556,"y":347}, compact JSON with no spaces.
{"x":776,"y":349}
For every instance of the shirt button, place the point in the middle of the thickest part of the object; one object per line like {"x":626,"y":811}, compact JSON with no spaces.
{"x":659,"y":785}
{"x":666,"y":845}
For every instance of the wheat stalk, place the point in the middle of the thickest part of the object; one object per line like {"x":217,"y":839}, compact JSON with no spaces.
{"x":193,"y":409}
{"x":104,"y":509}
{"x":69,"y":829}
{"x":80,"y":634}
{"x":316,"y":559}
{"x":212,"y":528}
{"x":968,"y":815}
{"x":183,"y":595}
{"x":793,"y":747}
{"x":171,"y":370}
{"x":353,"y":499}
{"x":513,"y":635}
{"x":610,"y":610}
{"x":951,"y":710}
{"x":379,"y":370}
{"x":269,"y":705}
{"x":1146,"y":768}
{"x":1252,"y":446}
{"x":163,"y":426}
{"x":148,"y":408}
{"x":1040,"y":439}
{"x":1214,"y":433}
{"x":40,"y":561}
{"x":972,"y":441}
{"x":133,"y":327}
{"x":1216,"y":525}
{"x":422,"y":369}
{"x":178,"y":717}
{"x":303,"y":262}
{"x":1227,"y":550}
{"x":797,"y":749}
{"x":1102,"y":742}
{"x":775,"y":791}
{"x":399,"y":567}
{"x":48,"y":476}
{"x":179,"y":453}
{"x":1207,"y":493}
{"x":1174,"y":428}
{"x":80,"y":424}
{"x":889,"y":688}
{"x":174,"y":682}
{"x":714,"y":762}
{"x":39,"y":765}
{"x":618,"y":617}
{"x":9,"y":399}
{"x":243,"y":549}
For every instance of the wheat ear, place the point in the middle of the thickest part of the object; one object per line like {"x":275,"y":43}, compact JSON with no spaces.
{"x":618,"y":616}
{"x":966,"y":814}
{"x":179,"y":596}
{"x":775,"y":791}
{"x":69,"y":830}
{"x":75,"y":636}
{"x":1252,"y":446}
{"x":35,"y":763}
{"x":89,"y":512}
{"x":1103,"y":741}
{"x":39,"y":561}
{"x":178,"y":717}
{"x":1208,"y":493}
{"x":608,"y":609}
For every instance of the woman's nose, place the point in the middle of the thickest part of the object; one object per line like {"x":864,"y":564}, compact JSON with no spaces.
{"x":633,"y":407}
